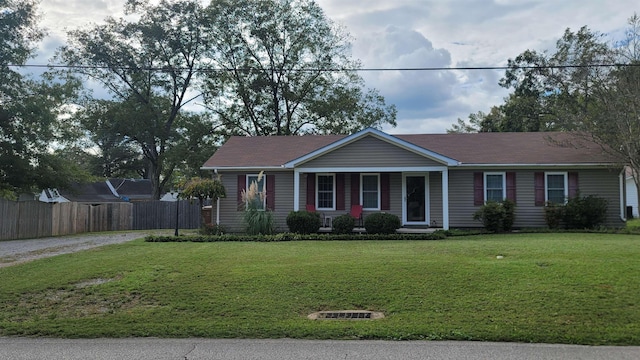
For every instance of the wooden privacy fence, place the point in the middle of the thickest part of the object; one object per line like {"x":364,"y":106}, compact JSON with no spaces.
{"x":162,"y":215}
{"x":33,"y":219}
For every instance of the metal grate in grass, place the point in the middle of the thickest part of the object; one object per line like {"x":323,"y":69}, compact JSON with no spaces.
{"x":346,"y":315}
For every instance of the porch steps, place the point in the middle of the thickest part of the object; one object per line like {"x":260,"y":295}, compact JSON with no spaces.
{"x":402,"y":230}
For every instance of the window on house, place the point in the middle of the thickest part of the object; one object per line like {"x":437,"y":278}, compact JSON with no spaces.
{"x":257,"y":195}
{"x":556,"y":188}
{"x":494,"y":187}
{"x":370,"y":191}
{"x":325,"y":185}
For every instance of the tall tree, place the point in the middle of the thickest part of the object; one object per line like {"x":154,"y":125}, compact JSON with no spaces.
{"x":615,"y":121}
{"x":107,"y":152}
{"x":149,"y":62}
{"x":285,"y":69}
{"x":553,"y":92}
{"x":30,"y":109}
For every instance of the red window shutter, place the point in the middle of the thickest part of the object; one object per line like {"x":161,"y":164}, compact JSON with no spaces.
{"x":242,"y":184}
{"x":355,"y":189}
{"x":573,"y":184}
{"x":271,"y":192}
{"x":385,"y":191}
{"x":311,"y":189}
{"x":511,"y":186}
{"x":340,"y":191}
{"x":538,"y":181}
{"x":478,"y":188}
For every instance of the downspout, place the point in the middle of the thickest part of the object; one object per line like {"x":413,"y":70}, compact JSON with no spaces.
{"x":623,"y":215}
{"x":215,"y":171}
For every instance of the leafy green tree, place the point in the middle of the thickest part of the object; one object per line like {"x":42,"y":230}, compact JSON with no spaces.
{"x":285,"y":70}
{"x":149,"y":62}
{"x":202,"y":189}
{"x":553,"y":92}
{"x":31,"y":110}
{"x":106,"y":152}
{"x":615,"y":121}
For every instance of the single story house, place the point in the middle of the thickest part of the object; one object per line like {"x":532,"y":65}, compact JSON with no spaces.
{"x":427,"y":180}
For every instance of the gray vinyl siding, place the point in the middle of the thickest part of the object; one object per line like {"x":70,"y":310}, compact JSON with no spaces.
{"x":395,"y":194}
{"x":605,"y":184}
{"x":231,"y":216}
{"x":370,"y":152}
{"x":461,"y":207}
{"x":435,"y":199}
{"x":598,"y":182}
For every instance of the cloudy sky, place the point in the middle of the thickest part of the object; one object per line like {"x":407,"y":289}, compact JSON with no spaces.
{"x":419,"y":34}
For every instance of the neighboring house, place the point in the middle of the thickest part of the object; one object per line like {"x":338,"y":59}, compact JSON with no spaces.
{"x":111,"y":190}
{"x":436,"y":180}
{"x":631,"y":194}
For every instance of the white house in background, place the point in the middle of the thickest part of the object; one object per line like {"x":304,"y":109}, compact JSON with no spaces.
{"x":631,"y":193}
{"x":107,"y":191}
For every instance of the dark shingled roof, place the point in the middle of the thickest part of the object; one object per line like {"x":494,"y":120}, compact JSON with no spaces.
{"x":543,"y":148}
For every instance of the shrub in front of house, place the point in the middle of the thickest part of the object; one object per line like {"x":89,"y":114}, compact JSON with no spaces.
{"x":553,"y":215}
{"x":343,"y":224}
{"x":212,"y":229}
{"x":381,"y":223}
{"x":303,"y":222}
{"x":496,"y":216}
{"x":587,"y":212}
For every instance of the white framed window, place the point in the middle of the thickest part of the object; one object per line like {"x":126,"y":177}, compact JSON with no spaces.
{"x":556,"y":187}
{"x":495,"y":186}
{"x":325,"y":191}
{"x":370,"y":191}
{"x":260,"y":200}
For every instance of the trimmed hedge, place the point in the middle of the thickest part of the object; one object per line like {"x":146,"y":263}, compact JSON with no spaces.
{"x":382,"y":223}
{"x":437,"y":235}
{"x":343,"y":224}
{"x":303,"y":222}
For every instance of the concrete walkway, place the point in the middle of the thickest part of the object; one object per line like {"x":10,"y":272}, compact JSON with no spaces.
{"x":14,"y":252}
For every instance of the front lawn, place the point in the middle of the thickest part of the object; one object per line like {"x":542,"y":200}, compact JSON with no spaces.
{"x":555,"y":288}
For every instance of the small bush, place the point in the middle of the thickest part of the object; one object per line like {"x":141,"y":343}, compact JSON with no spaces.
{"x":381,"y":223}
{"x":585,"y":212}
{"x":212,"y":229}
{"x":303,"y":222}
{"x":553,"y":215}
{"x":343,"y":224}
{"x":496,"y":216}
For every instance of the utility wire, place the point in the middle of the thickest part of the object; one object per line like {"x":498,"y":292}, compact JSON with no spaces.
{"x":471,"y":68}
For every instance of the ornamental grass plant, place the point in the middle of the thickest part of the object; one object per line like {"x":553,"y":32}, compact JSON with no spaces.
{"x":256,"y":217}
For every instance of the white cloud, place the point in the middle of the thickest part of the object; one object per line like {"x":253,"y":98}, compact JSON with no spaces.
{"x":422,"y":33}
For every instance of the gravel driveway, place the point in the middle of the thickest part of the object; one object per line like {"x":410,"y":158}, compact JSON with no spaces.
{"x":14,"y":252}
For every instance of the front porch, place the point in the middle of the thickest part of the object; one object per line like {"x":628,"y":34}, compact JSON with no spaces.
{"x":419,"y":196}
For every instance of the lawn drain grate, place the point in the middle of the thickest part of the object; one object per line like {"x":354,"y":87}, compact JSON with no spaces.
{"x":346,"y":315}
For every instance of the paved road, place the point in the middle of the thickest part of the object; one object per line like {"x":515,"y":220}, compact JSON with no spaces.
{"x":287,"y":349}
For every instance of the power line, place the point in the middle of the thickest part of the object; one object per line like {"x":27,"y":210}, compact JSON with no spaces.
{"x":460,"y":68}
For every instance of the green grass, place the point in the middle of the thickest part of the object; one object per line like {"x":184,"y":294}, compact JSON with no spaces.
{"x":555,"y":288}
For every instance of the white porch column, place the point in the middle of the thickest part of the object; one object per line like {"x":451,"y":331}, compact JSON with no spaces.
{"x":445,"y":199}
{"x":296,"y":189}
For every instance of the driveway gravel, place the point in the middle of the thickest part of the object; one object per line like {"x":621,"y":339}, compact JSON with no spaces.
{"x":14,"y":252}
